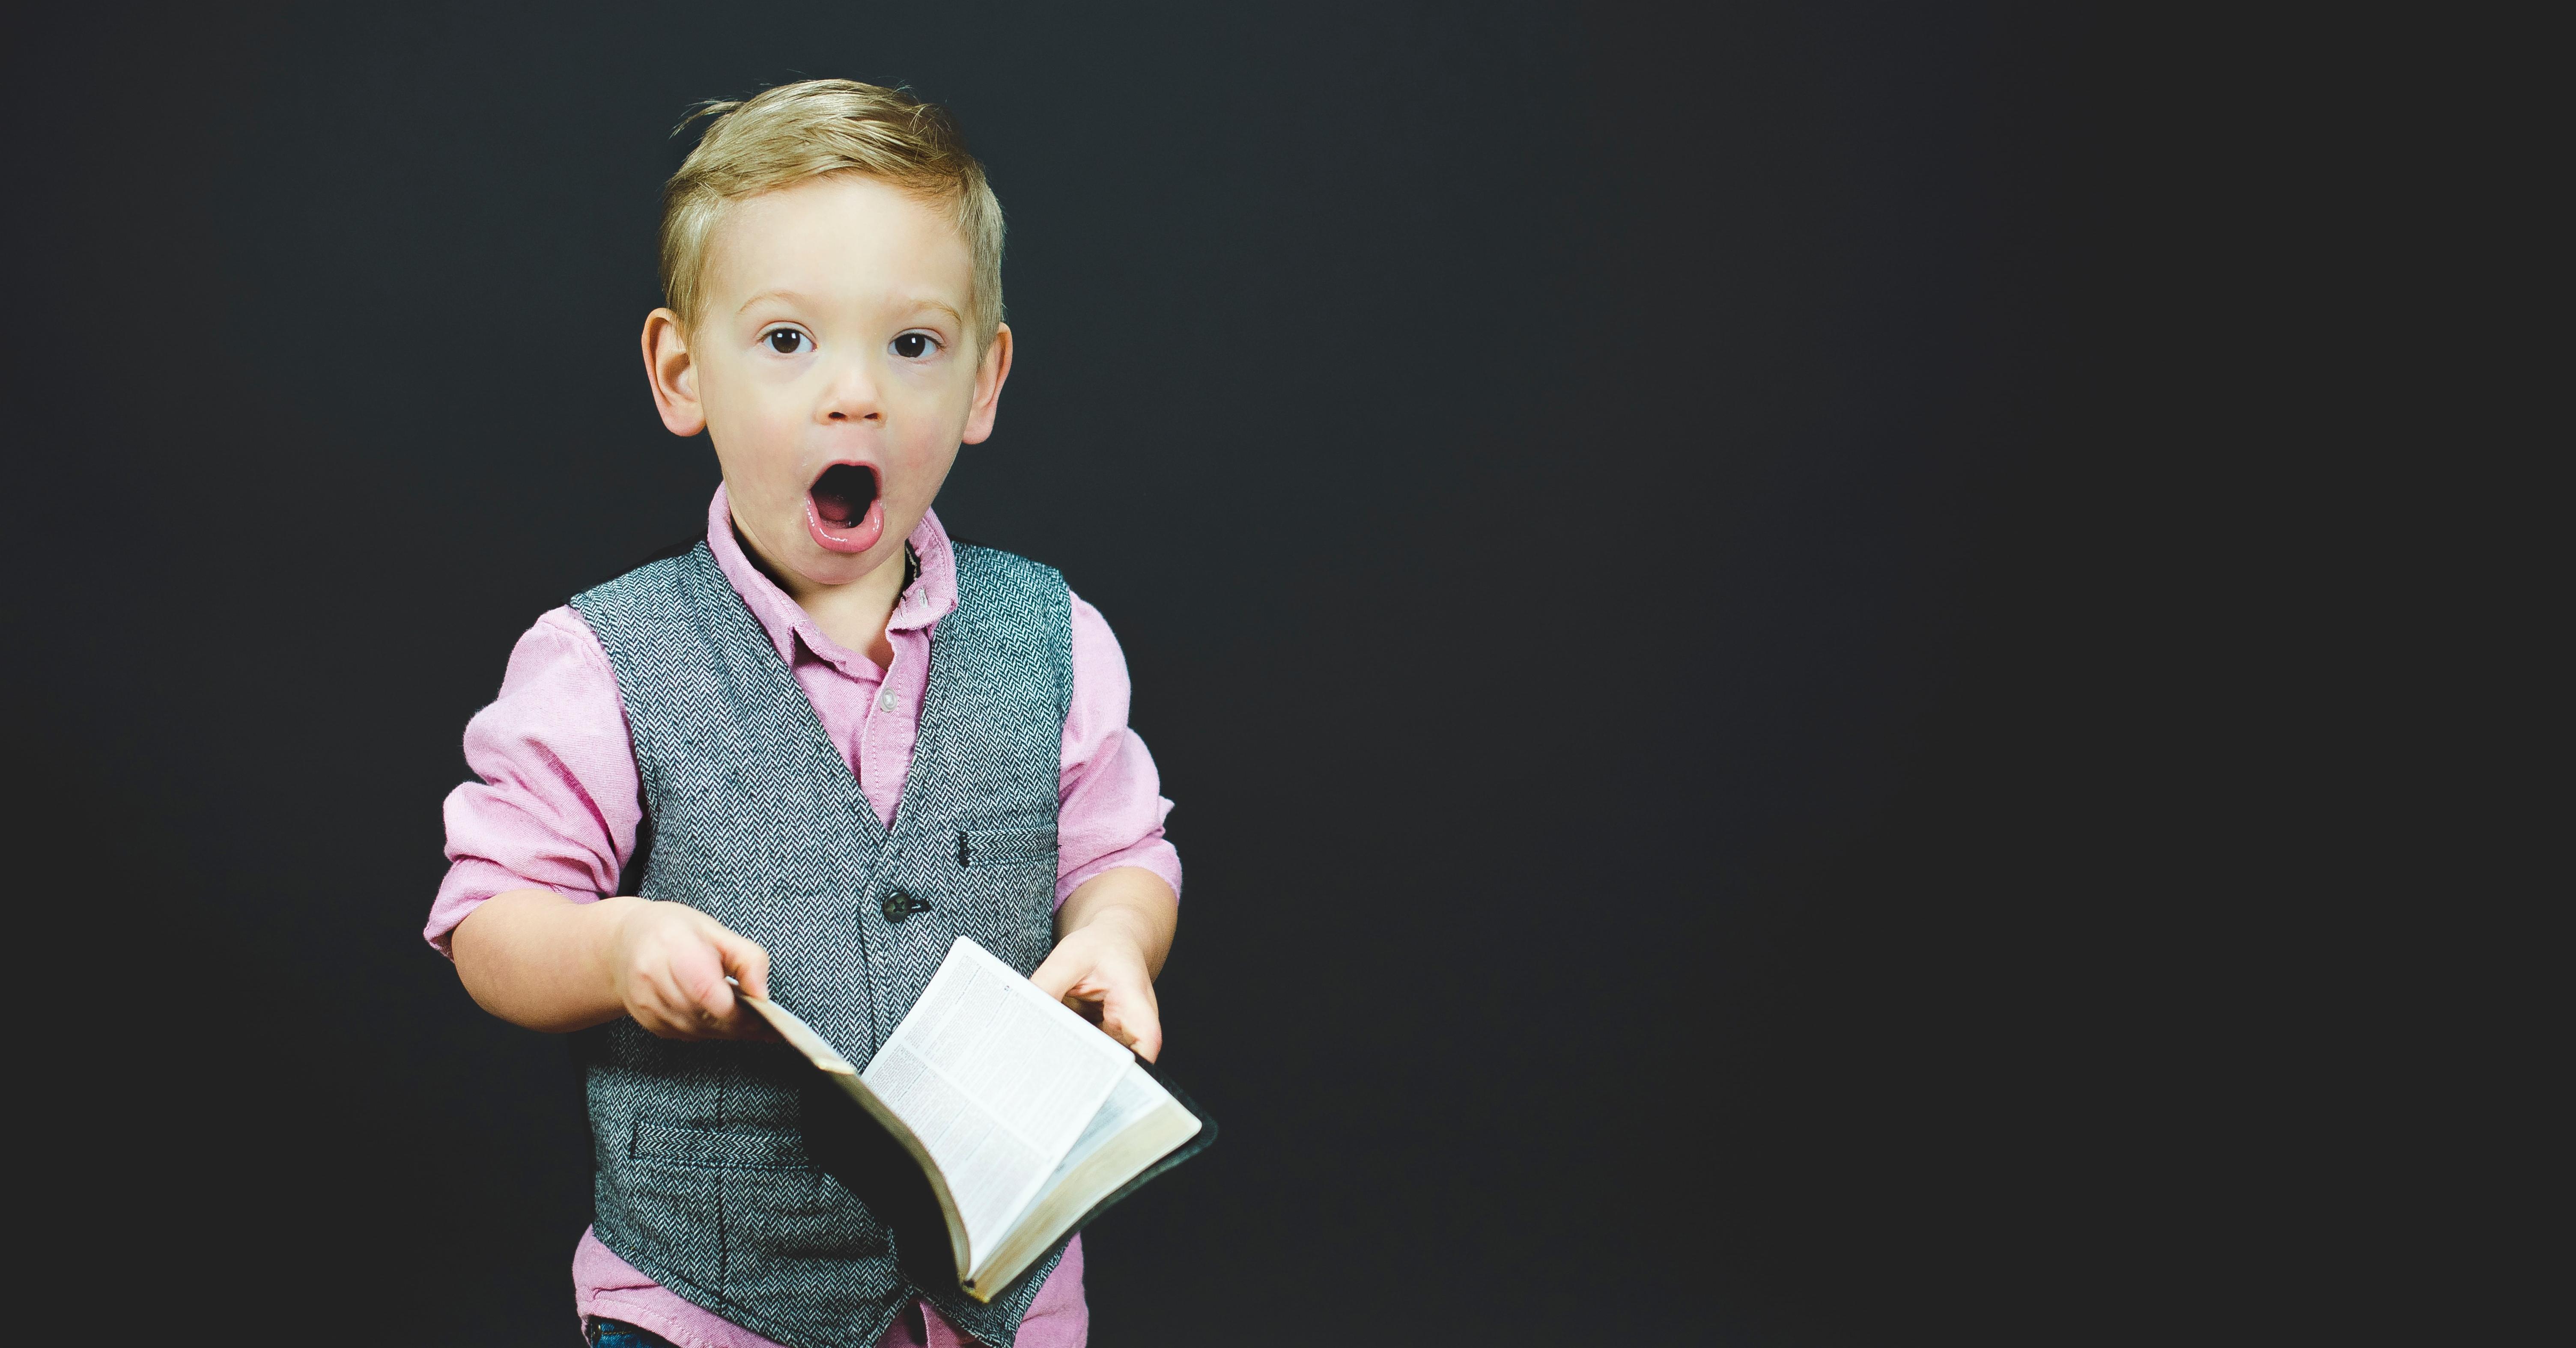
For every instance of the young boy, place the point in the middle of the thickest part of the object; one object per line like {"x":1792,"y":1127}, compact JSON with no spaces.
{"x":806,"y":753}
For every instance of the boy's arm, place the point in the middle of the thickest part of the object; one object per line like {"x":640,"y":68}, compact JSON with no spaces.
{"x":1118,"y":879}
{"x":1111,"y":936}
{"x":554,"y":803}
{"x":535,"y":958}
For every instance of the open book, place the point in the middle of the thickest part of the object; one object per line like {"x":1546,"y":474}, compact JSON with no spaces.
{"x":1026,"y":1119}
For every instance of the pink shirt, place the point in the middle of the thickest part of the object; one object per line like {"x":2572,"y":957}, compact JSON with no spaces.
{"x":558,"y":803}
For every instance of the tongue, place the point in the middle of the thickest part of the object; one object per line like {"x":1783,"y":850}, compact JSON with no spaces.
{"x":834,"y":507}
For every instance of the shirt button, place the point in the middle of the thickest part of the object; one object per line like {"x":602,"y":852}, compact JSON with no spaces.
{"x":885,"y":700}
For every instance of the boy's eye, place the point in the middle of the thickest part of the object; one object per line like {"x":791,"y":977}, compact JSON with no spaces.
{"x":915,"y":345}
{"x":785,"y":341}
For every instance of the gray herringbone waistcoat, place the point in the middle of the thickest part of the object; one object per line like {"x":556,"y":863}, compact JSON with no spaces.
{"x":755,"y":818}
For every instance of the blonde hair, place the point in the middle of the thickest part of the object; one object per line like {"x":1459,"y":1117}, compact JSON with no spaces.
{"x":783,"y":136}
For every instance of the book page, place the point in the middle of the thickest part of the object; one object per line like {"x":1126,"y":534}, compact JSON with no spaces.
{"x":998,"y":1080}
{"x":1135,"y":1096}
{"x":1138,"y":1125}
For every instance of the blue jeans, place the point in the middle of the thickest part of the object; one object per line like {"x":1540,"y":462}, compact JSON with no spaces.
{"x":604,"y":1333}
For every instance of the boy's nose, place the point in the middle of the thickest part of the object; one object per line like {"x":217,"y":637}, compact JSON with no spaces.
{"x":851,"y":396}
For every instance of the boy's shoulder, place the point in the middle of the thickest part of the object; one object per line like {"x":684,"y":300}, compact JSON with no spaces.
{"x":653,"y":590}
{"x":990,"y":562}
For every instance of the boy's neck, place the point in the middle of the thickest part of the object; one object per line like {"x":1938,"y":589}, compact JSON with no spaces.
{"x":852,"y":615}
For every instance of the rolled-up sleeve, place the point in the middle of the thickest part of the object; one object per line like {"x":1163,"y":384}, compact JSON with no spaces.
{"x":1109,"y":802}
{"x":554,"y":804}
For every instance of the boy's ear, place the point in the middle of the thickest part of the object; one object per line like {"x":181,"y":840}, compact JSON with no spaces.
{"x":989,"y":374}
{"x":674,"y":376}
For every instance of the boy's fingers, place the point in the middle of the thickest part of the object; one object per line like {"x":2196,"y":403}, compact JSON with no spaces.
{"x":1140,"y":1033}
{"x":1146,"y":1039}
{"x":749,"y":965}
{"x":746,"y":961}
{"x":691,"y":990}
{"x":1130,"y":1016}
{"x":671,"y":998}
{"x":674,"y":1009}
{"x":657,"y":1004}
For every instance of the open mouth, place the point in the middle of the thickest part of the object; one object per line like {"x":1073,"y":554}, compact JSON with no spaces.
{"x":842,"y":509}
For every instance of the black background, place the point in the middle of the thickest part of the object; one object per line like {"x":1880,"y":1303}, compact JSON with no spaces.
{"x":1663,"y":563}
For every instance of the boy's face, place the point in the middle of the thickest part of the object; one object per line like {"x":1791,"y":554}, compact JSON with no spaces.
{"x":832,"y":366}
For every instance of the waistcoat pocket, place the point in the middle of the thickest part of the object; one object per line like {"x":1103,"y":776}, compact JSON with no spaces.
{"x":1005,"y":846}
{"x":723,"y":1151}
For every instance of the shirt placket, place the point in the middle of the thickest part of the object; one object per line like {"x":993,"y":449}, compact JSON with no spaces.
{"x":880,"y":746}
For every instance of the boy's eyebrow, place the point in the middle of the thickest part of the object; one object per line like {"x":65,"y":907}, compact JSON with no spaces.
{"x":793,"y":297}
{"x":789,"y":295}
{"x":953,"y":315}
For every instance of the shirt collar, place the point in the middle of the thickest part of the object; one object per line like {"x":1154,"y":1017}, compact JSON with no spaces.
{"x":921,"y":605}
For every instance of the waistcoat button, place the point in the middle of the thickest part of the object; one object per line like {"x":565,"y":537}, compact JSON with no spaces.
{"x":899,"y":905}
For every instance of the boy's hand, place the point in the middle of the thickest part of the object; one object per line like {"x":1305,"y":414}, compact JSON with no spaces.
{"x":667,"y":963}
{"x":1112,"y":936}
{"x":1099,"y":971}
